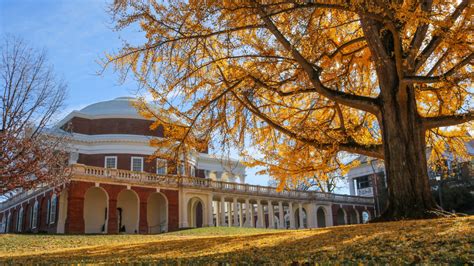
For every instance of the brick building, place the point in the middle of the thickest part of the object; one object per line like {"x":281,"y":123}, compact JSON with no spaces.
{"x":116,"y":188}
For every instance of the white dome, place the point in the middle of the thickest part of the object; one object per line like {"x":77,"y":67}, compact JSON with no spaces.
{"x":120,"y":107}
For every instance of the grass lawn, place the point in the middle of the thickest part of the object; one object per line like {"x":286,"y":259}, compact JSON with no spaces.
{"x":429,"y":241}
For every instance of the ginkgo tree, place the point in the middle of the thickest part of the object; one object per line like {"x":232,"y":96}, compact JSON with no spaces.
{"x":307,"y":80}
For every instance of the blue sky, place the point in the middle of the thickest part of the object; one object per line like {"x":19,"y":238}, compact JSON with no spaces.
{"x":76,"y":34}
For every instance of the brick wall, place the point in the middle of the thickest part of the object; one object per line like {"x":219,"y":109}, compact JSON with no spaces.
{"x":113,"y":126}
{"x":26,"y":226}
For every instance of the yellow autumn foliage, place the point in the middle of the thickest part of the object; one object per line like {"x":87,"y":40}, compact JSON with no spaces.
{"x":302,"y":81}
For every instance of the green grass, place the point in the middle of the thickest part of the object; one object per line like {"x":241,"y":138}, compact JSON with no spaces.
{"x":428,"y":241}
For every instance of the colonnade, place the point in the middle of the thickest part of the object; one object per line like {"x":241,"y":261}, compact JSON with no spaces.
{"x":224,"y":210}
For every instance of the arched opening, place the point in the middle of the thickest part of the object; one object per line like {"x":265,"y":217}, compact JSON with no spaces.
{"x":276,"y":222}
{"x":365,"y":217}
{"x":341,"y":217}
{"x":297,"y":218}
{"x":321,"y":217}
{"x":195,"y":212}
{"x":287,"y":220}
{"x":157,"y":213}
{"x":96,"y":204}
{"x":127,"y":211}
{"x":352,"y":217}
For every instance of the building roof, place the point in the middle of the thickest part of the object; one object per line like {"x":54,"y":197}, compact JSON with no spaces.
{"x":121,"y":107}
{"x":118,"y":107}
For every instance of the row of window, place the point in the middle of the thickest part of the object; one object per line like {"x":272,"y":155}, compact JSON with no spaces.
{"x":51,"y":207}
{"x":136,"y":164}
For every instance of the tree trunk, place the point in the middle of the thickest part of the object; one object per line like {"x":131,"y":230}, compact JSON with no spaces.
{"x":403,"y":135}
{"x":409,"y":191}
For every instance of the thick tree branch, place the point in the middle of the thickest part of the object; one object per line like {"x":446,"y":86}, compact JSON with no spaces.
{"x":420,"y":33}
{"x":398,"y":49}
{"x":446,"y":121}
{"x":375,"y":150}
{"x":367,"y":104}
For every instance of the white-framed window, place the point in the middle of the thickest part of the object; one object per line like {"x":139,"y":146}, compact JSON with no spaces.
{"x":137,"y":164}
{"x":34,"y":217}
{"x":19,"y":220}
{"x":161,"y":166}
{"x":110,"y":162}
{"x":52,"y":213}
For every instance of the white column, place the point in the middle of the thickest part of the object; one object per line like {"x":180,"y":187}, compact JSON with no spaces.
{"x":222,"y":222}
{"x":217,"y":212}
{"x":236,"y":213}
{"x":248,"y":213}
{"x":183,"y":209}
{"x":291,"y":215}
{"x":210,"y":213}
{"x":300,"y":213}
{"x":241,"y":217}
{"x":252,"y":215}
{"x":270,"y":215}
{"x":260,"y":216}
{"x":281,"y":215}
{"x":229,"y":214}
{"x":357,"y":214}
{"x":311,"y":215}
{"x":329,"y":217}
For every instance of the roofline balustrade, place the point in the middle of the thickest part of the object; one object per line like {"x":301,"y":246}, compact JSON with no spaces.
{"x":126,"y":176}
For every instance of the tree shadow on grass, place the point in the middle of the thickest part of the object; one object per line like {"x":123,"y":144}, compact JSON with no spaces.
{"x":165,"y":249}
{"x":405,"y":242}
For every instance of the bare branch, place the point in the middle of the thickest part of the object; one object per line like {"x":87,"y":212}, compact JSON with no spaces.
{"x":31,"y":97}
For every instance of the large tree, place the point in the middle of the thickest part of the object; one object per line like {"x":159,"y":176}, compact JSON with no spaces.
{"x":31,"y":97}
{"x":377,"y":78}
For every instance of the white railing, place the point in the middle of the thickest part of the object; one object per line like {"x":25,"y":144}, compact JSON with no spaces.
{"x":219,"y":186}
{"x":99,"y":173}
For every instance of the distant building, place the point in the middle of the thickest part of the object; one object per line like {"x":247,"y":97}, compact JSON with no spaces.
{"x":369,"y":179}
